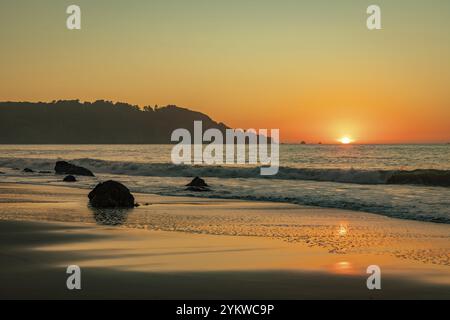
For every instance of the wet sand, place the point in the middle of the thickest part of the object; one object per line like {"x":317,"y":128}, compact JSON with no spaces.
{"x":185,"y":248}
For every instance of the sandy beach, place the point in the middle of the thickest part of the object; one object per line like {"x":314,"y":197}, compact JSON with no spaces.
{"x":188,"y":248}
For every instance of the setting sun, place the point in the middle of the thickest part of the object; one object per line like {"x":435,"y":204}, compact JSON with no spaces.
{"x":345,"y":140}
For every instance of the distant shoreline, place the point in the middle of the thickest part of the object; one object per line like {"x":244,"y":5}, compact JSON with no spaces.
{"x":59,"y":122}
{"x":98,"y":122}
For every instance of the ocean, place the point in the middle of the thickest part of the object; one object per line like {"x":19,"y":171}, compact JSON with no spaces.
{"x":355,"y":177}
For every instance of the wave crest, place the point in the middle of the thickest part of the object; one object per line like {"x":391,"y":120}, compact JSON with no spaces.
{"x":428,"y":177}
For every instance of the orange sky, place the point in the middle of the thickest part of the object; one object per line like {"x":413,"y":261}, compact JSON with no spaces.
{"x":309,"y":68}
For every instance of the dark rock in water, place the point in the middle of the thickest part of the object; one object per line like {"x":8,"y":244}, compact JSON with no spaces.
{"x":421,"y":177}
{"x":197,"y":184}
{"x":46,"y":172}
{"x":2,"y":172}
{"x":137,"y":205}
{"x":111,"y":194}
{"x":69,"y":178}
{"x":64,"y":167}
{"x":28,"y":170}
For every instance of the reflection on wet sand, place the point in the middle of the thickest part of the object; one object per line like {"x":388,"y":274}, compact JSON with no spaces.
{"x":327,"y":251}
{"x":339,"y":232}
{"x":343,"y":229}
{"x":343,"y":267}
{"x":110,"y":217}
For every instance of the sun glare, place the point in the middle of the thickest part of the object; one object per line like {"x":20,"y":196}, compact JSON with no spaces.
{"x":345,"y":140}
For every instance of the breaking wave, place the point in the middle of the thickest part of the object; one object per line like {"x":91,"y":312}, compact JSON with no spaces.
{"x":429,"y":177}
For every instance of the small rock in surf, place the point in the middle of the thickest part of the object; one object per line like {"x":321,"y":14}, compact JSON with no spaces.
{"x":64,"y":167}
{"x":69,"y":178}
{"x":197,"y":184}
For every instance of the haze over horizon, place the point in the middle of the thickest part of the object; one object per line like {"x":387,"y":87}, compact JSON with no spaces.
{"x":311,"y":69}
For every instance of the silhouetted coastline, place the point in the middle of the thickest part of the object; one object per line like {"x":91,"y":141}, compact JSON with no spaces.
{"x":99,"y":122}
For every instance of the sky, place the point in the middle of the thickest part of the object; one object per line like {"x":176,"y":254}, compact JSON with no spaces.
{"x":309,"y":68}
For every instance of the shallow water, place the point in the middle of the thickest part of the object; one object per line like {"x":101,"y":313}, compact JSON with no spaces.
{"x":340,"y":232}
{"x":350,"y":177}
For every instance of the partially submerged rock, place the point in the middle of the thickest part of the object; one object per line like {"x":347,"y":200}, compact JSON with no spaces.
{"x":45,"y":172}
{"x":197,"y":184}
{"x":64,"y":167}
{"x":111,"y":194}
{"x":28,"y":170}
{"x":69,"y":178}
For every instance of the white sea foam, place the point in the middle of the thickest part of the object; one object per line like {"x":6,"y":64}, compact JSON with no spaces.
{"x":359,"y":176}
